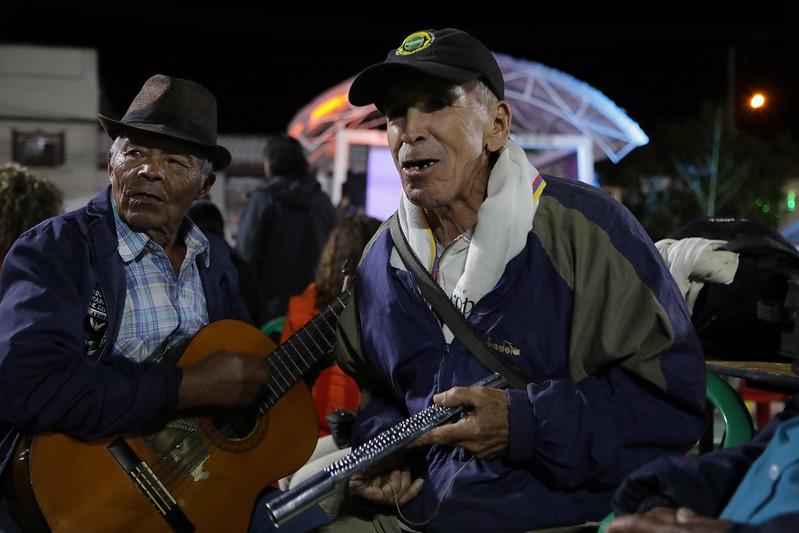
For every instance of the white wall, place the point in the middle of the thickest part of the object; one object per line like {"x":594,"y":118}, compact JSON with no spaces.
{"x":48,"y":83}
{"x":79,"y":175}
{"x":54,"y":90}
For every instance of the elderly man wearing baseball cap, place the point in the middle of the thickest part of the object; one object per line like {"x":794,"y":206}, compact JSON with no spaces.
{"x":91,"y":299}
{"x":559,"y":283}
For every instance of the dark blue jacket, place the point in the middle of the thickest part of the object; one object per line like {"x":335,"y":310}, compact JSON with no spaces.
{"x":705,"y":483}
{"x":589,"y":312}
{"x":48,"y":379}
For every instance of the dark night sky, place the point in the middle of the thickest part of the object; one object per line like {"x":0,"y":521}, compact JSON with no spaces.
{"x":264,"y":67}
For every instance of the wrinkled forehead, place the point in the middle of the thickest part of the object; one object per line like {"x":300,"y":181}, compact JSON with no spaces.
{"x":410,"y":86}
{"x":170,"y":145}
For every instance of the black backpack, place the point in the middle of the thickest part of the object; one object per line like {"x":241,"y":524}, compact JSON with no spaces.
{"x":747,"y":319}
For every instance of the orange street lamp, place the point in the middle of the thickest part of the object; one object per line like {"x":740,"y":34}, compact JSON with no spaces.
{"x":757,"y":101}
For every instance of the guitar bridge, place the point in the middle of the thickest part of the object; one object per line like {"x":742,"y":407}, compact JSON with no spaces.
{"x":149,"y":484}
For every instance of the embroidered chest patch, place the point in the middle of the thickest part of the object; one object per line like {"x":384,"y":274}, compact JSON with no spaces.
{"x":95,"y":327}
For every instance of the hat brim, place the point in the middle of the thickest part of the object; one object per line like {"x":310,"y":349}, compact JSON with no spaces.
{"x":219,"y":155}
{"x":368,"y":86}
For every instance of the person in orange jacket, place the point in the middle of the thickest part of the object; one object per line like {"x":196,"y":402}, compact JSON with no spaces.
{"x":333,"y":389}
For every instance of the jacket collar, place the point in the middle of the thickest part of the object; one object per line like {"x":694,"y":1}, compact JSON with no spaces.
{"x":101,"y":225}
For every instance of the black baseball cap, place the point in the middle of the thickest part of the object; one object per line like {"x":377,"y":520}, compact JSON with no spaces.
{"x":449,"y":54}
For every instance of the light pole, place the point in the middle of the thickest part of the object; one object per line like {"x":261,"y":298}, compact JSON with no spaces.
{"x":757,"y":102}
{"x":714,"y":164}
{"x":731,"y":87}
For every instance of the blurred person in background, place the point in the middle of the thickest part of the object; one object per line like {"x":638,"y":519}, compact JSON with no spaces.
{"x":283,"y":227}
{"x":209,"y":219}
{"x":333,"y":389}
{"x":335,"y":394}
{"x":25,"y":200}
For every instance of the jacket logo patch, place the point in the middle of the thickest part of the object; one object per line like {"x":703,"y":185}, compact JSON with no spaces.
{"x":506,"y":347}
{"x":95,"y":327}
{"x":463,"y":304}
{"x":415,"y":42}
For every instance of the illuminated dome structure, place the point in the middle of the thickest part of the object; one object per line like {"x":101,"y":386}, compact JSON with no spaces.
{"x":556,"y":118}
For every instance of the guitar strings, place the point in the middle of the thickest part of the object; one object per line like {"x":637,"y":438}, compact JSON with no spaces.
{"x":237,"y":423}
{"x":279,"y":357}
{"x":204,"y":447}
{"x":180,"y":469}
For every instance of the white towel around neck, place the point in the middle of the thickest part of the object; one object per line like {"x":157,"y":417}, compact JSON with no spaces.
{"x":503,"y":221}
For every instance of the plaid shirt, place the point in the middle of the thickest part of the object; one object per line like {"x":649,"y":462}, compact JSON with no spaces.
{"x":160,"y":308}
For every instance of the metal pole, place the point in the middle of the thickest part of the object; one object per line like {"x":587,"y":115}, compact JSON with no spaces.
{"x":731,"y":88}
{"x":714,"y":164}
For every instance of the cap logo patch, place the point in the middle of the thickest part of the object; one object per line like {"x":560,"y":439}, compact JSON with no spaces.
{"x":415,"y":42}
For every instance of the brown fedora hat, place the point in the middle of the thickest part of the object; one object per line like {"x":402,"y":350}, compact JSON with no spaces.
{"x":174,"y":107}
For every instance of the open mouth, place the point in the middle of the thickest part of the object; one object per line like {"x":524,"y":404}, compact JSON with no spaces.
{"x":416,"y":165}
{"x":144,"y":197}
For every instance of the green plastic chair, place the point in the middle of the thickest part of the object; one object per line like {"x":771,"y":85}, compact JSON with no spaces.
{"x":738,"y":427}
{"x":274,"y":327}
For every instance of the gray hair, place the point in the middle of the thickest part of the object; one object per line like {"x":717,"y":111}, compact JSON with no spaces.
{"x":114,"y":150}
{"x":484,"y":94}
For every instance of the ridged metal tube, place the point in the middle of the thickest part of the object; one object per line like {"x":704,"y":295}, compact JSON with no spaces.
{"x":286,"y":506}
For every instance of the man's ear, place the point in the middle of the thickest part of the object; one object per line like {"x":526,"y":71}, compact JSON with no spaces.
{"x":207,"y":184}
{"x":108,"y":163}
{"x":499,"y":126}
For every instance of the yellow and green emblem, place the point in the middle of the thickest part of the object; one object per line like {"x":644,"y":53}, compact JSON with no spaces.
{"x":415,"y":42}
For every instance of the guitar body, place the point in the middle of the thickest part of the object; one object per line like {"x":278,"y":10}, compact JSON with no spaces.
{"x":214,"y":477}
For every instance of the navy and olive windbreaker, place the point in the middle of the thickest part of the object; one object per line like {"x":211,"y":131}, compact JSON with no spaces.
{"x":589,"y":311}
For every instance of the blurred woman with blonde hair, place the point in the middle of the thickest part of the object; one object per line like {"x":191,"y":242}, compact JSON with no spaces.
{"x":25,"y":200}
{"x":333,"y":389}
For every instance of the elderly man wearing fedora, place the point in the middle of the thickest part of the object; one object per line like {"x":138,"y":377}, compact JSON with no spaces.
{"x":89,"y":299}
{"x":555,"y":278}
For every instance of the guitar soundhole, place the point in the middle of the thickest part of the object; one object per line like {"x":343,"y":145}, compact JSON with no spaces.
{"x":236,"y":425}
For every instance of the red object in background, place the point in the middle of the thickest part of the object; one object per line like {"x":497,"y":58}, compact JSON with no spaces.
{"x":762,"y":400}
{"x":333,"y":388}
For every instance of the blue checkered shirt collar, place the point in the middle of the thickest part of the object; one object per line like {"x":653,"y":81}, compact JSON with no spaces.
{"x":131,"y":244}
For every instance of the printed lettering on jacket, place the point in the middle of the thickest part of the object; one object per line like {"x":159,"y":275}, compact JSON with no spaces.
{"x":95,"y":328}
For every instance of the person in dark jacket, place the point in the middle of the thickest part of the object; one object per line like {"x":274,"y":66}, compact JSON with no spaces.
{"x":753,"y":487}
{"x":89,"y":300}
{"x":554,"y":276}
{"x":284,"y":227}
{"x":209,"y":219}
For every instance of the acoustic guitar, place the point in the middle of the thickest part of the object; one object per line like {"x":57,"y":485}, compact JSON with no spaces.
{"x":199,"y":472}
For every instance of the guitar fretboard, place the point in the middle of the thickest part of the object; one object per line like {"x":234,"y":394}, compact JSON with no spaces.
{"x":292,"y":359}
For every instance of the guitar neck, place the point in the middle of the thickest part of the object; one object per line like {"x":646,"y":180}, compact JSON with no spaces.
{"x":292,"y":359}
